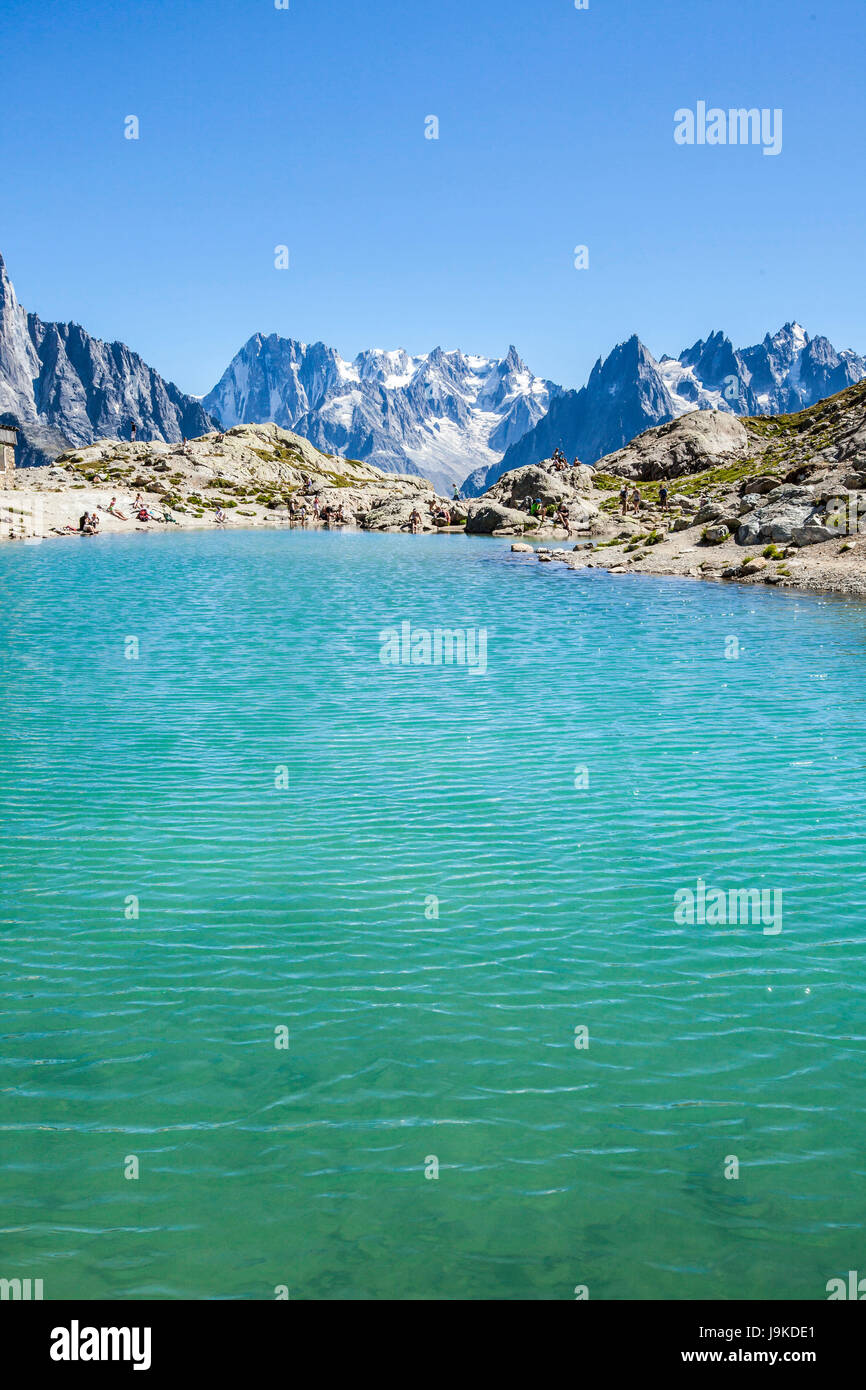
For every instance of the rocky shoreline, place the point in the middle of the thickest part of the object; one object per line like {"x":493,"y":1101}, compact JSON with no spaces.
{"x":778,"y":500}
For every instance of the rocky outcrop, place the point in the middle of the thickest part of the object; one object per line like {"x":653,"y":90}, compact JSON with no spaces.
{"x":790,"y":514}
{"x":485,"y":517}
{"x":395,"y":514}
{"x":692,"y":444}
{"x":246,"y":464}
{"x":543,"y":481}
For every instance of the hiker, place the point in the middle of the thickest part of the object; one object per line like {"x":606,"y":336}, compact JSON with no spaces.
{"x":414,"y":520}
{"x":133,"y":430}
{"x":663,"y":497}
{"x":635,"y":501}
{"x":456,"y":497}
{"x":623,"y":499}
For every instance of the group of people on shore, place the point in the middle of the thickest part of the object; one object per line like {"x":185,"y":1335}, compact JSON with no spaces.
{"x":439,"y":513}
{"x":330,"y":515}
{"x":560,"y":462}
{"x":89,"y":523}
{"x":558,"y":516}
{"x":632,"y":501}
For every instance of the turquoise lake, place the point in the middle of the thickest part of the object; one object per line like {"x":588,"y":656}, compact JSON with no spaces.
{"x":291,"y":815}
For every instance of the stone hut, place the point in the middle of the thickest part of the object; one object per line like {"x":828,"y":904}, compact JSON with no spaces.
{"x":8,"y":440}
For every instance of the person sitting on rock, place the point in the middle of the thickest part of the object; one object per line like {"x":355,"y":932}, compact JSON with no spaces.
{"x":563,"y":518}
{"x":113,"y":511}
{"x":577,"y":463}
{"x":414,"y":520}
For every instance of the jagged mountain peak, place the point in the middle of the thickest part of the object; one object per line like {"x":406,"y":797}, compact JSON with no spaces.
{"x":64,"y":387}
{"x":630,"y":391}
{"x":437,"y":413}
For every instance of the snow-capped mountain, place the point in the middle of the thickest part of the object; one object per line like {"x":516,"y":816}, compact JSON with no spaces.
{"x":629,"y":391}
{"x":440,"y":414}
{"x":448,"y":416}
{"x":62,"y":387}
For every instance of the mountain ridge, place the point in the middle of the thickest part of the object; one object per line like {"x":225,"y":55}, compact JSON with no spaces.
{"x":429,"y":414}
{"x":63,"y":388}
{"x":630,"y":391}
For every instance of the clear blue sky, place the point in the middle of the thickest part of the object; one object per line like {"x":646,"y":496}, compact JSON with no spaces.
{"x":306,"y":127}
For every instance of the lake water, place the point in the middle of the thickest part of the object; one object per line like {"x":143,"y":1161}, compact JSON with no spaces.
{"x":434,"y":878}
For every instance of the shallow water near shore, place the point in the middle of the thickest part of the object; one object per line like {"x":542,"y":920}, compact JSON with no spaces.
{"x":286,"y":809}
